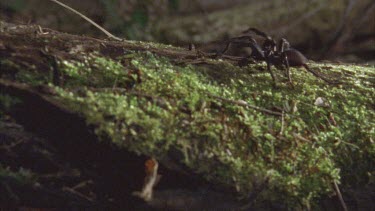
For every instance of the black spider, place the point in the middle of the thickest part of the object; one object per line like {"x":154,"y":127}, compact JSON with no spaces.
{"x":281,"y":55}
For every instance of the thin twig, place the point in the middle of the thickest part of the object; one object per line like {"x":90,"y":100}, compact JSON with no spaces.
{"x":72,"y":191}
{"x":245,"y":104}
{"x":282,"y":122}
{"x":299,"y":137}
{"x":88,"y":20}
{"x":337,"y":189}
{"x":82,"y":184}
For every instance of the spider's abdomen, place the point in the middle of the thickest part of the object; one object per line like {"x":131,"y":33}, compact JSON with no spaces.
{"x":295,"y":58}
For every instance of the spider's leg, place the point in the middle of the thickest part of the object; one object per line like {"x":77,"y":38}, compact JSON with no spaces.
{"x":286,"y":62}
{"x":257,"y":32}
{"x":226,"y":47}
{"x":237,"y":40}
{"x":270,"y":71}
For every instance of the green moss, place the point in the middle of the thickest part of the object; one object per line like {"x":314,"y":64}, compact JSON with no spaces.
{"x":153,"y":45}
{"x":23,"y":72}
{"x":32,"y":78}
{"x":20,"y":177}
{"x":174,"y":108}
{"x":6,"y":103}
{"x":95,"y":72}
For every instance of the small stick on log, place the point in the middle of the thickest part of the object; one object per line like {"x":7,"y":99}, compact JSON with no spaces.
{"x":74,"y":192}
{"x":299,"y":137}
{"x":245,"y":104}
{"x":338,"y":192}
{"x":282,"y":123}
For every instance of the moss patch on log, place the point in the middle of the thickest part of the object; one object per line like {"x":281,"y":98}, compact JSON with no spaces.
{"x":203,"y":115}
{"x":206,"y":116}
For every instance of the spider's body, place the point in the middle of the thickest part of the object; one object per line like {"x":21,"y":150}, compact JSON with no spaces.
{"x":295,"y":58}
{"x":280,"y":55}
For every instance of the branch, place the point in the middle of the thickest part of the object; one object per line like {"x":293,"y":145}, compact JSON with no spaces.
{"x":88,"y":20}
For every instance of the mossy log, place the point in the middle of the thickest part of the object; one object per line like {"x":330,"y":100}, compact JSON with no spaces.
{"x":221,"y":133}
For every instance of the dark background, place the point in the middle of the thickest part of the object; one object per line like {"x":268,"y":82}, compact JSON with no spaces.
{"x":337,"y":30}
